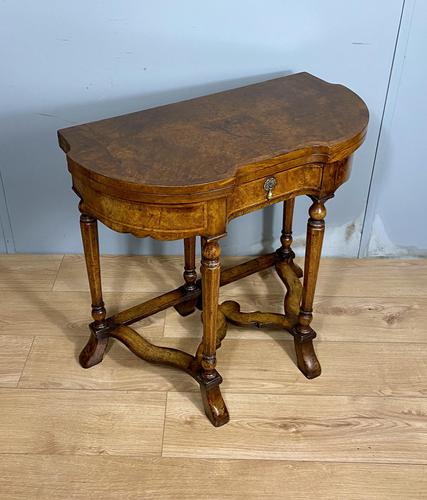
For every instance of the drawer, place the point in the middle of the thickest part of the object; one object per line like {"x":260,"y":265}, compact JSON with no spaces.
{"x":161,"y":221}
{"x":253,"y":195}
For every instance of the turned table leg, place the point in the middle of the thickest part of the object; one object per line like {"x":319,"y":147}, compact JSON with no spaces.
{"x":285,"y":252}
{"x":303,"y":333}
{"x":94,"y":350}
{"x":190,"y":276}
{"x":210,"y":379}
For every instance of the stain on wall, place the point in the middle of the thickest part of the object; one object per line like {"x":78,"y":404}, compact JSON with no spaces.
{"x":380,"y":244}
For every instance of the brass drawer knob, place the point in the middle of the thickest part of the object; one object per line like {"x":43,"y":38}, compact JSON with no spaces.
{"x":269,"y":184}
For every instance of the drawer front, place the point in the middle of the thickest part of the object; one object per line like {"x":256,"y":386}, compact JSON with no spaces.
{"x":160,"y":221}
{"x":256,"y":194}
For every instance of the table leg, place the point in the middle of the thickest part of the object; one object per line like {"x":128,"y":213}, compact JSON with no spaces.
{"x":303,"y":333}
{"x":285,"y":252}
{"x":190,"y":276}
{"x":94,"y":350}
{"x":210,"y":379}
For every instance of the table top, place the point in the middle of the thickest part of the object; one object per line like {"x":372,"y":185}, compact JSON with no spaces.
{"x":204,"y":143}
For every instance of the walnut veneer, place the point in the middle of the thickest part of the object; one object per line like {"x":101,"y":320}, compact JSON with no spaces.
{"x":184,"y":170}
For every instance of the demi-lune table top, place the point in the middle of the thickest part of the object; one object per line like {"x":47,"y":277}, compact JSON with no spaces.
{"x":205,"y":143}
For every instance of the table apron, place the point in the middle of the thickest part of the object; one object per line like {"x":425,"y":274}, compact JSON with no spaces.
{"x":173,"y":221}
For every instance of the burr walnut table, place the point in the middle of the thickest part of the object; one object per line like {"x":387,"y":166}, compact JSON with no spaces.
{"x":184,"y":170}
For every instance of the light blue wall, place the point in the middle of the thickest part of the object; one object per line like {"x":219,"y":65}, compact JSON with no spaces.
{"x":396,"y":221}
{"x":67,"y":62}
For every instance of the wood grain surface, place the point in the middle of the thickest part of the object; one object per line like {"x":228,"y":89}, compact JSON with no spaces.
{"x":13,"y":355}
{"x":129,"y":429}
{"x":355,"y":319}
{"x":390,"y":369}
{"x":337,"y":277}
{"x":46,"y":313}
{"x":28,"y":272}
{"x":325,"y":428}
{"x":81,"y":422}
{"x":209,"y":140}
{"x":109,"y":477}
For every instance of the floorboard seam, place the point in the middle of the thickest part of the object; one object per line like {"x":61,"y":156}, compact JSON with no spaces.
{"x":25,"y":363}
{"x":225,"y":391}
{"x":153,"y":457}
{"x":244,"y":339}
{"x":57,"y":273}
{"x":164,"y":424}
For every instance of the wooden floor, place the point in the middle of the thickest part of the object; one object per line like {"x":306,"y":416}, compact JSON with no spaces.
{"x":127,"y":429}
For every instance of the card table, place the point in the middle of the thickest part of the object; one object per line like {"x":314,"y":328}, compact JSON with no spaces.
{"x":185,"y":170}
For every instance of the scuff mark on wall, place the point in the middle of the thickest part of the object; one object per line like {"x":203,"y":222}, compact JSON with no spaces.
{"x":350,"y":229}
{"x":340,"y":241}
{"x":343,"y":241}
{"x":380,"y":245}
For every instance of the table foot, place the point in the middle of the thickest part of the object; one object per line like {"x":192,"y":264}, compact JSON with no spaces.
{"x":214,"y":405}
{"x":93,"y":351}
{"x":306,"y":358}
{"x":290,"y":275}
{"x":186,"y":308}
